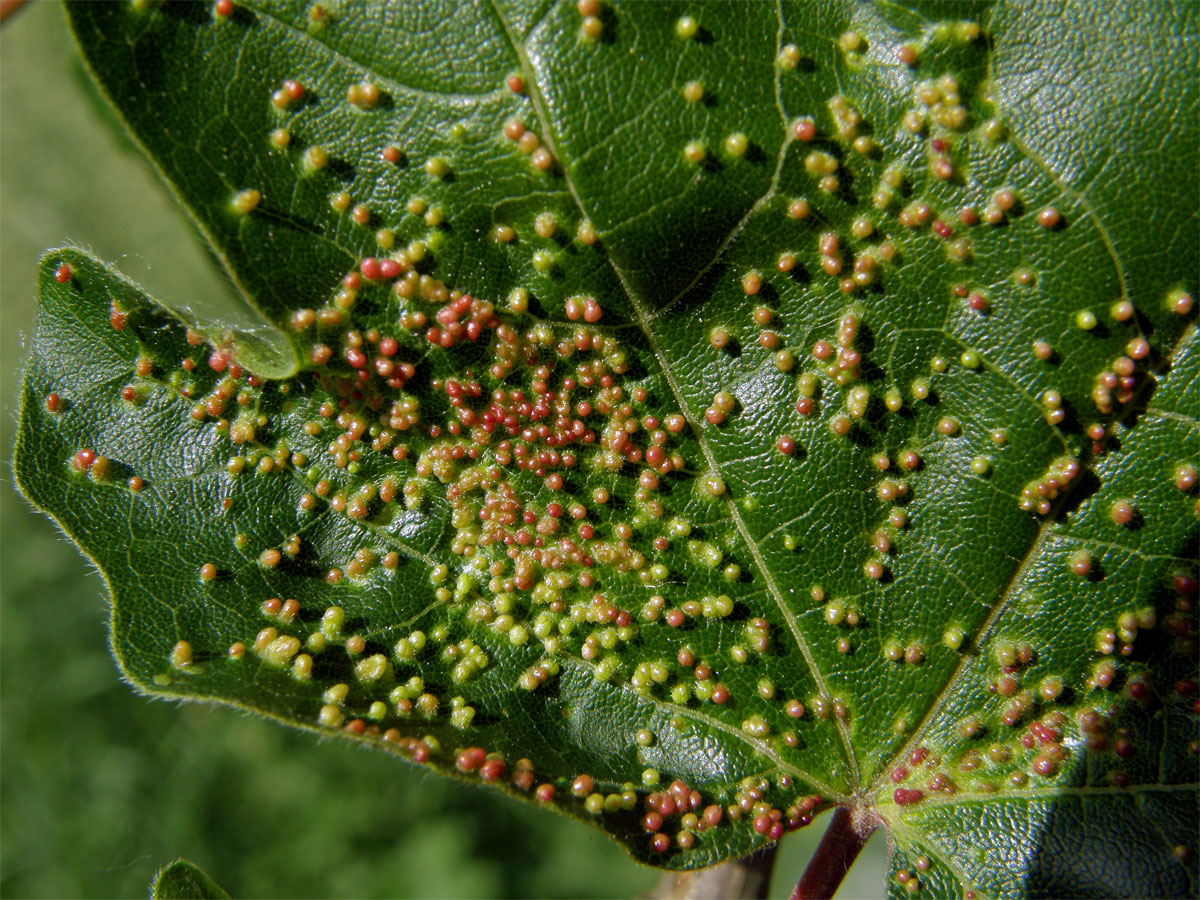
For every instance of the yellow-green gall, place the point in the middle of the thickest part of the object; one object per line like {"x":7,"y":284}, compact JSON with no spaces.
{"x":246,"y":201}
{"x":737,"y":144}
{"x":695,"y":152}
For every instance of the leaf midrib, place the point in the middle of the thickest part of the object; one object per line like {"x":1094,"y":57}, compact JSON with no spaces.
{"x":762,"y":748}
{"x":644,"y":320}
{"x":1053,"y":792}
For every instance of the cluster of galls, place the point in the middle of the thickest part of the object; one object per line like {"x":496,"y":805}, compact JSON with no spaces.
{"x":1038,"y":495}
{"x":88,"y":461}
{"x":767,"y":819}
{"x":1181,"y":623}
{"x":1011,"y":660}
{"x":678,"y":801}
{"x":838,"y":613}
{"x":211,"y":378}
{"x":515,"y":548}
{"x":550,"y":550}
{"x":1042,"y":747}
{"x":1128,"y":624}
{"x":912,"y":880}
{"x":679,"y":806}
{"x":683,"y":803}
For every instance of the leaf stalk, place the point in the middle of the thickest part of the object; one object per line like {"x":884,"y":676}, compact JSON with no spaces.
{"x":842,"y":842}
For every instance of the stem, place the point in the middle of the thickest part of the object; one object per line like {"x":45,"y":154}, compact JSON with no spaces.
{"x":839,"y":847}
{"x":742,"y":879}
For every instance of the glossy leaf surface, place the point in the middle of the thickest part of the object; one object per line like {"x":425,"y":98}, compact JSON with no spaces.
{"x":748,"y":408}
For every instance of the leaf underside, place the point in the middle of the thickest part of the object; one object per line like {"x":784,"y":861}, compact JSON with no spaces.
{"x":738,"y":410}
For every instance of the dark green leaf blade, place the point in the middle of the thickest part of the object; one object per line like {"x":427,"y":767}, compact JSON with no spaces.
{"x":192,"y":579}
{"x":851,"y":540}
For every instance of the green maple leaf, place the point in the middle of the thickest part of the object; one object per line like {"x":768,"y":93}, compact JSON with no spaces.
{"x":689,"y":417}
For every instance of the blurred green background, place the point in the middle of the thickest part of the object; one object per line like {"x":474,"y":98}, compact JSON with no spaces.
{"x":99,"y":787}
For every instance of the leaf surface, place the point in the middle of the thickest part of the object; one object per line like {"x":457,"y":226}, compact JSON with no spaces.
{"x":184,"y":880}
{"x":682,"y":447}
